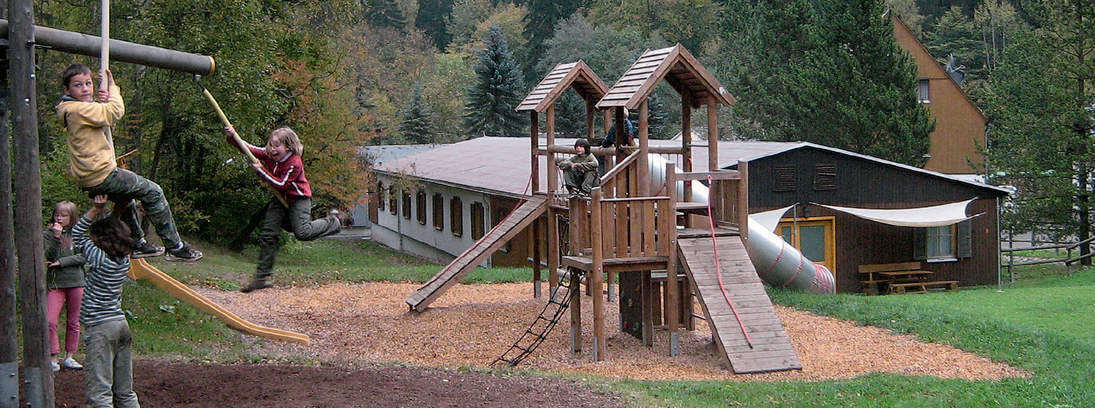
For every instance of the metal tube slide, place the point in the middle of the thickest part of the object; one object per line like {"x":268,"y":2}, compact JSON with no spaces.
{"x":76,"y":43}
{"x":782,"y":265}
{"x":778,"y":263}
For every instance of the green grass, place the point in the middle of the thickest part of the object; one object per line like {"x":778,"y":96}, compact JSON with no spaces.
{"x":1043,"y":323}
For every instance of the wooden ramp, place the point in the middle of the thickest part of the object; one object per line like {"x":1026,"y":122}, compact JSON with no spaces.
{"x":771,"y":349}
{"x":517,"y":220}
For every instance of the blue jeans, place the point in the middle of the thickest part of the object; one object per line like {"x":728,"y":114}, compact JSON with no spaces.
{"x":123,"y":186}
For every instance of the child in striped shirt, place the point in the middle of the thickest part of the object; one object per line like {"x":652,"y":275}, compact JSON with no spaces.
{"x":108,"y":370}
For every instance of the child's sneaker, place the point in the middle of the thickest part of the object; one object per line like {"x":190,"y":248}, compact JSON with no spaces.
{"x":345,"y":220}
{"x":71,"y":364}
{"x":183,"y":254}
{"x":256,"y":284}
{"x":54,"y":366}
{"x":145,"y":249}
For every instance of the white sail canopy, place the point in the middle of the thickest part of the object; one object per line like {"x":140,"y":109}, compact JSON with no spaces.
{"x":770,"y":219}
{"x":934,"y":216}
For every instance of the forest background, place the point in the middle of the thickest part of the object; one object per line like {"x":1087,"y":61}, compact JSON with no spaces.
{"x":350,"y":73}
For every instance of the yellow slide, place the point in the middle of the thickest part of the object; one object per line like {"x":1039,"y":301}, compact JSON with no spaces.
{"x":141,"y":269}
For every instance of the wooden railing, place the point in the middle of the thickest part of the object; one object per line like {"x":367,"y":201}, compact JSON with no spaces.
{"x":1068,"y":259}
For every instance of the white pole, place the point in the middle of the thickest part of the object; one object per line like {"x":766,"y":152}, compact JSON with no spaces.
{"x":104,"y":56}
{"x":104,"y":60}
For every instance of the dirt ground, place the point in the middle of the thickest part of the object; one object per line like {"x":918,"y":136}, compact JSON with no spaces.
{"x":368,"y":350}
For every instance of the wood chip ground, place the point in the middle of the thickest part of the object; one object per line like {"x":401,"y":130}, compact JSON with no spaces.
{"x":471,"y":325}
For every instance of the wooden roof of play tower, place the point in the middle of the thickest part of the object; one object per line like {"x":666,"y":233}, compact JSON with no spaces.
{"x":679,"y":68}
{"x":575,"y":75}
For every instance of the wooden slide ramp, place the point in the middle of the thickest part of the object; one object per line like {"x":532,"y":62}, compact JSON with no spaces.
{"x":517,"y":220}
{"x":771,"y":348}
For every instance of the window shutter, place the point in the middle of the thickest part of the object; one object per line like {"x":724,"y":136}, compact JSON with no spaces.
{"x":920,"y":244}
{"x":964,"y":236}
{"x":824,"y":176}
{"x":785,"y":178}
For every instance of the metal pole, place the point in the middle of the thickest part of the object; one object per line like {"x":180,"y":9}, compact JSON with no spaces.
{"x":76,"y":43}
{"x":28,"y":206}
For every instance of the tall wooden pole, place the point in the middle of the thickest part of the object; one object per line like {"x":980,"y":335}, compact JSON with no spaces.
{"x":9,"y":347}
{"x":28,"y":206}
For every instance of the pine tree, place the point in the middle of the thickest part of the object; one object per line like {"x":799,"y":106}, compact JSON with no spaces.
{"x":492,"y":100}
{"x":433,"y":17}
{"x":384,"y":13}
{"x":417,"y":124}
{"x":825,"y":72}
{"x":540,"y":26}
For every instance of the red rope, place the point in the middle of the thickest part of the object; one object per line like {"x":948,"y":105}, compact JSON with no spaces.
{"x":718,"y":269}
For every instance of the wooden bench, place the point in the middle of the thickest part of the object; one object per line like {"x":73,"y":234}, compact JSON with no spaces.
{"x":921,"y":287}
{"x":902,"y":277}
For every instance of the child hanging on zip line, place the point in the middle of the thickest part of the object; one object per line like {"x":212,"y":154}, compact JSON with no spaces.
{"x":280,"y":166}
{"x":93,"y":163}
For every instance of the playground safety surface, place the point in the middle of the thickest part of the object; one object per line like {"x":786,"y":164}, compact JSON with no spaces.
{"x":355,"y":327}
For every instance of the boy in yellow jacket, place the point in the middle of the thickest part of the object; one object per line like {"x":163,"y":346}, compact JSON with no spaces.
{"x":93,"y":163}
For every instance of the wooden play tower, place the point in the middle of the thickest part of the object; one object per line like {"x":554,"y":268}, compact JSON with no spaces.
{"x":640,"y":225}
{"x":637,"y":227}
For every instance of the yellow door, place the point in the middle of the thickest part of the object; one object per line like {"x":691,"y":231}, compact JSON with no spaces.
{"x":814,"y":237}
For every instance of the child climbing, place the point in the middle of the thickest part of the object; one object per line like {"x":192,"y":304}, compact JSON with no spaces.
{"x":93,"y":163}
{"x":65,"y":281}
{"x":280,"y":166}
{"x":108,"y":343}
{"x":580,"y":170}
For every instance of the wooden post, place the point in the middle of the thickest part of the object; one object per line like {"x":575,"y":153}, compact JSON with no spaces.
{"x":596,"y":280}
{"x":9,"y":347}
{"x":28,"y":206}
{"x":715,"y":191}
{"x":576,"y":311}
{"x":669,"y":246}
{"x":644,"y":149}
{"x":534,"y":158}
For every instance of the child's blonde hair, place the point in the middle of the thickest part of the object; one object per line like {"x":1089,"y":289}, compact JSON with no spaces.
{"x":289,"y":138}
{"x":67,"y":207}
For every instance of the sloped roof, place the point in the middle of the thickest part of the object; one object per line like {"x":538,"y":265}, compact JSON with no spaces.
{"x":679,"y":68}
{"x":575,"y":75}
{"x":500,"y":165}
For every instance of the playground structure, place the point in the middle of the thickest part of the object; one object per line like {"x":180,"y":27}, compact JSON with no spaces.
{"x":649,"y":224}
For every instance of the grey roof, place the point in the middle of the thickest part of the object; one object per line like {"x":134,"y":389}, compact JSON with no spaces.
{"x":500,"y":165}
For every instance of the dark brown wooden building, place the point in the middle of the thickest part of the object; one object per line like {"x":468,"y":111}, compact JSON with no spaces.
{"x":807,"y":175}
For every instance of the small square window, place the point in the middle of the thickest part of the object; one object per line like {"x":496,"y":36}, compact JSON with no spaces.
{"x":923,"y":93}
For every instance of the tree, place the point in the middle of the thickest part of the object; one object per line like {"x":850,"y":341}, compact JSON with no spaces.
{"x":955,"y":35}
{"x":540,"y":23}
{"x":417,"y":125}
{"x":609,"y":53}
{"x":493,"y":99}
{"x":1042,"y":102}
{"x":384,"y":14}
{"x":433,"y":18}
{"x":824,"y":72}
{"x":690,"y":22}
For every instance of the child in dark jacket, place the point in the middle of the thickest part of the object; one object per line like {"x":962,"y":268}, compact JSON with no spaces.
{"x":280,"y":165}
{"x":65,"y":281}
{"x":108,"y":343}
{"x":580,"y":170}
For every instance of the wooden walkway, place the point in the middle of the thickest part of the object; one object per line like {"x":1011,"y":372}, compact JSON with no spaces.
{"x":771,"y":349}
{"x":520,"y":218}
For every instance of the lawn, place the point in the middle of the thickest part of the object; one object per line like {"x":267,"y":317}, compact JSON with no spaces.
{"x":1042,"y":323}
